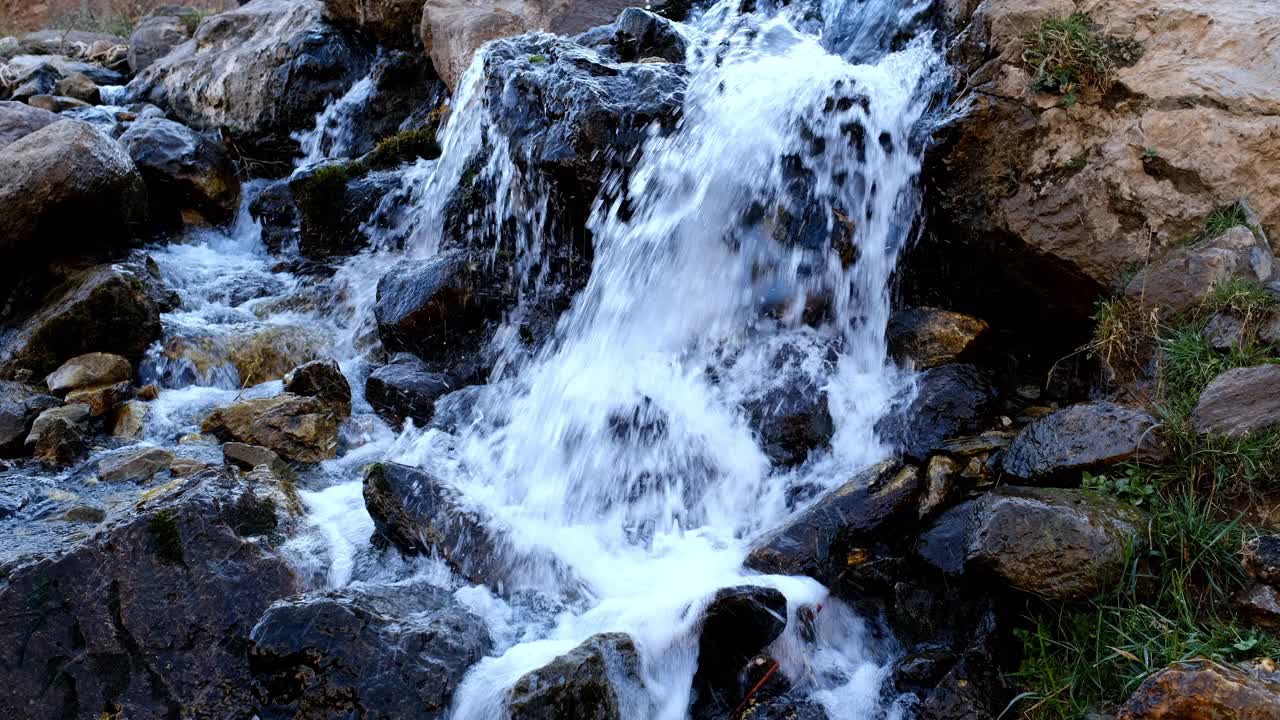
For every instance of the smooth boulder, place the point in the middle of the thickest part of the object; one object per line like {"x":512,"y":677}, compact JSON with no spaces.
{"x":89,"y":370}
{"x":66,"y":188}
{"x":593,"y":681}
{"x":1240,"y":402}
{"x":186,"y":172}
{"x":949,"y":401}
{"x":1060,"y":544}
{"x":18,"y":120}
{"x":1082,"y":437}
{"x":299,"y":429}
{"x":929,"y":337}
{"x":159,"y":32}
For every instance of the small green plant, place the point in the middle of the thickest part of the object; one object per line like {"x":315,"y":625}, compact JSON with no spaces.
{"x":1123,"y":335}
{"x":1128,"y":484}
{"x":1223,"y":219}
{"x":404,"y":147}
{"x":1150,"y":153}
{"x":538,"y":59}
{"x":165,"y":536}
{"x":1067,"y":56}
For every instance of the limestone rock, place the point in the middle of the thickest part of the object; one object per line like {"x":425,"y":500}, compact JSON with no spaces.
{"x":1240,"y":401}
{"x":1202,"y":689}
{"x":90,"y":370}
{"x":65,"y":188}
{"x":1083,"y":437}
{"x":300,"y":429}
{"x":929,"y":337}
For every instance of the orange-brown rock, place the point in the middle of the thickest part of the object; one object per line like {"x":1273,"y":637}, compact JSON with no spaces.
{"x":1205,"y":691}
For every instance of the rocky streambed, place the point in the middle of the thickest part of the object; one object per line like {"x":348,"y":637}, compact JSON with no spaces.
{"x":580,"y":360}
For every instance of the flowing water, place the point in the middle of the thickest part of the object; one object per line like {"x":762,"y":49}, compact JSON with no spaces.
{"x":694,"y":309}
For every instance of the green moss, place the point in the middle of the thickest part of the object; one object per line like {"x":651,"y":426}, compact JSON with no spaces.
{"x":1067,"y":56}
{"x":166,"y":538}
{"x":404,"y":147}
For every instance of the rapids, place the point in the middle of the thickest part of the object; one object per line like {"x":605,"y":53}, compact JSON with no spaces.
{"x":692,"y":309}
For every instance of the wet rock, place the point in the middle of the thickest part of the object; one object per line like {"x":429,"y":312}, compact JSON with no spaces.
{"x":441,"y":309}
{"x":134,"y":465}
{"x":90,"y":370}
{"x":34,"y":80}
{"x":1084,"y":437}
{"x":1260,"y":605}
{"x":929,"y":337}
{"x":66,"y":188}
{"x":950,"y":401}
{"x":299,"y":429}
{"x":248,"y":457}
{"x":939,"y":484}
{"x":393,"y":22}
{"x":792,"y":418}
{"x":104,"y":309}
{"x":60,"y":440}
{"x":20,"y":405}
{"x":389,"y":651}
{"x":452,"y":30}
{"x":321,"y":379}
{"x":264,"y":70}
{"x":823,"y":539}
{"x":1239,"y":402}
{"x":275,"y":210}
{"x":130,"y":419}
{"x":1187,"y":278}
{"x":187,"y":173}
{"x":1203,"y":689}
{"x":97,"y":623}
{"x":783,"y":708}
{"x":56,"y":103}
{"x":240,"y":359}
{"x":638,"y":35}
{"x":159,"y":32}
{"x":334,"y":204}
{"x":419,"y":514}
{"x":79,"y":86}
{"x":738,"y":623}
{"x":18,"y":120}
{"x":407,"y":389}
{"x":101,"y":399}
{"x":1060,"y":544}
{"x":1261,"y":557}
{"x":594,"y":681}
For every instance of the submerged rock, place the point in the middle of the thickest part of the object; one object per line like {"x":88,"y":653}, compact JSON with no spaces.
{"x":97,"y":622}
{"x":929,"y":337}
{"x":187,"y":173}
{"x":300,"y":429}
{"x":1204,"y":689}
{"x":383,"y":651}
{"x":103,"y":309}
{"x":1239,"y":402}
{"x":67,"y":188}
{"x":1060,"y":544}
{"x":594,"y":681}
{"x":264,"y":71}
{"x":819,"y":541}
{"x":1084,"y":437}
{"x":738,"y":623}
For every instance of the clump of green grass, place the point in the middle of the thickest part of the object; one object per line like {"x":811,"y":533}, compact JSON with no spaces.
{"x":165,"y":536}
{"x":1223,"y":219}
{"x":1067,"y":56}
{"x":1123,"y":336}
{"x":403,"y":147}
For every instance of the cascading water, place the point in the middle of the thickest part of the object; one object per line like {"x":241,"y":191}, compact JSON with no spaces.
{"x":617,"y":463}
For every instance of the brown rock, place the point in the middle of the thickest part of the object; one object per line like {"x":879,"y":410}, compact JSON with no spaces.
{"x":78,"y":86}
{"x":940,"y":477}
{"x":19,"y":407}
{"x":57,"y":437}
{"x":1239,"y":402}
{"x":1201,"y":690}
{"x":1185,"y":279}
{"x":394,"y":22}
{"x":300,"y":429}
{"x":321,"y":379}
{"x":929,"y":337}
{"x":131,"y":418}
{"x":55,"y":103}
{"x":102,"y":399}
{"x":134,"y":465}
{"x":91,"y":370}
{"x":72,"y":413}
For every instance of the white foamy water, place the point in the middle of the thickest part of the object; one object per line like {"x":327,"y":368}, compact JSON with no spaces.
{"x":619,"y":463}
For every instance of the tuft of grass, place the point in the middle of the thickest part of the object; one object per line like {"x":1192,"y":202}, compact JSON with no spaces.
{"x":1123,"y":336}
{"x":165,"y":536}
{"x":1067,"y":56}
{"x":1223,"y":219}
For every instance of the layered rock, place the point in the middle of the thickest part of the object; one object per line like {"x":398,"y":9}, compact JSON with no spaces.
{"x":301,"y":429}
{"x":66,"y":188}
{"x":1083,"y":437}
{"x":90,"y":370}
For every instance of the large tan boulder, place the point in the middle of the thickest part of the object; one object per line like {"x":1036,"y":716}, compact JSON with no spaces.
{"x":1116,"y":179}
{"x":452,"y":30}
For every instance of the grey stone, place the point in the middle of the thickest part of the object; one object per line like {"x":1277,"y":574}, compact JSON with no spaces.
{"x":1083,"y":437}
{"x":1239,"y":402}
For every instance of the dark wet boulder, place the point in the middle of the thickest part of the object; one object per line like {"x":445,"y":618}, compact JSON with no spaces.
{"x":273,"y":207}
{"x":67,"y":188}
{"x":1084,"y":437}
{"x":299,"y":429}
{"x":334,"y":203}
{"x":442,"y":309}
{"x":1205,"y":689}
{"x":321,"y":379}
{"x":783,"y":708}
{"x":950,"y":401}
{"x":18,"y":120}
{"x":839,"y":528}
{"x":103,"y":309}
{"x":187,"y":173}
{"x":407,"y":388}
{"x":96,"y":623}
{"x":792,"y":417}
{"x":1060,"y":544}
{"x":737,"y":624}
{"x":638,"y":35}
{"x":159,"y":32}
{"x":420,"y":515}
{"x":929,"y":337}
{"x":20,"y":405}
{"x":263,"y":71}
{"x":394,"y":651}
{"x":1239,"y":402}
{"x":1261,"y":557}
{"x":594,"y":681}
